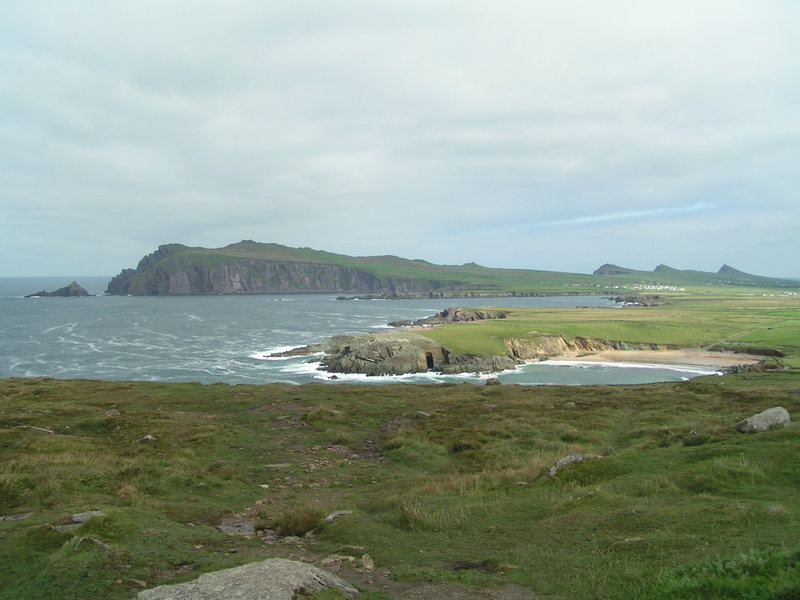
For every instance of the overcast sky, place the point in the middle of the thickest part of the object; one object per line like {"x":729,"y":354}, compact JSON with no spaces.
{"x":533,"y":134}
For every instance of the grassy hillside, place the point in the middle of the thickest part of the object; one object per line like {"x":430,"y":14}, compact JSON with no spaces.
{"x":469,"y":277}
{"x":448,"y":500}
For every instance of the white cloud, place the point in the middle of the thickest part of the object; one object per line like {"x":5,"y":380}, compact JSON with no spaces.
{"x":432,"y":129}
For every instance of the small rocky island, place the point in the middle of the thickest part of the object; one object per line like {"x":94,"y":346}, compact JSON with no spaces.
{"x":72,"y":290}
{"x":404,"y":351}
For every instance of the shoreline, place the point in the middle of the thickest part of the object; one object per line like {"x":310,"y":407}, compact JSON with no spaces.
{"x":681,"y":357}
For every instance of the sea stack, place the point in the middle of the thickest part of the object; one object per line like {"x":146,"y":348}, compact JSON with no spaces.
{"x":73,"y":289}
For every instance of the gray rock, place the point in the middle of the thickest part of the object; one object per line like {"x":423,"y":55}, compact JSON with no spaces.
{"x":338,"y":513}
{"x":78,"y":519}
{"x":85,"y":516}
{"x":272,"y":579}
{"x":385,"y":353}
{"x":772,"y":417}
{"x":569,"y":460}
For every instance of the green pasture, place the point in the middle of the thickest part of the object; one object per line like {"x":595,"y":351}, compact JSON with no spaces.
{"x":680,"y":505}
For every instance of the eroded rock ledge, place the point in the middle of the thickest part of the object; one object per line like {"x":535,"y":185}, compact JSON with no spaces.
{"x":453,"y":315}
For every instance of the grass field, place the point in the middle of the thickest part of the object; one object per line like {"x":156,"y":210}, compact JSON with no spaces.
{"x":465,"y":486}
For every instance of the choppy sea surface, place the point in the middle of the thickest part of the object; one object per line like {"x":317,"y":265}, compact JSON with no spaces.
{"x":211,"y":339}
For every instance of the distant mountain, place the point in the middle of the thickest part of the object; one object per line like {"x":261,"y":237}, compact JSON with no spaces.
{"x":726,"y":275}
{"x":609,"y":269}
{"x":249,"y":267}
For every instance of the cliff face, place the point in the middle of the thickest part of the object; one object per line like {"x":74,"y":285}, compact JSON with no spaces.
{"x":155,"y":275}
{"x":542,"y":347}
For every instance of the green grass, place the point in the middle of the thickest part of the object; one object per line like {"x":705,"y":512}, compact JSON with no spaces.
{"x":735,"y":322}
{"x":459,"y":497}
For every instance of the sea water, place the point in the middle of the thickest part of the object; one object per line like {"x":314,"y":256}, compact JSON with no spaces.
{"x":229,"y":339}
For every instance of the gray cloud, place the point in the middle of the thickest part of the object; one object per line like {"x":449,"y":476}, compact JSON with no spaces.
{"x":524,"y":134}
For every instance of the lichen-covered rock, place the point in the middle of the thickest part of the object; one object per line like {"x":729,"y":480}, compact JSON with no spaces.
{"x":772,"y":417}
{"x":570,"y":459}
{"x":275,"y":578}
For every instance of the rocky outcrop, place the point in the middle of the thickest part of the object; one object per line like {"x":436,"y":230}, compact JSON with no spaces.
{"x":386,"y":353}
{"x":402,"y":352}
{"x":453,"y":315}
{"x":763,"y":421}
{"x":72,"y":290}
{"x":570,"y":459}
{"x":274,"y":578}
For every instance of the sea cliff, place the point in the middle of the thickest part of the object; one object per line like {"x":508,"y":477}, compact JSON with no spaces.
{"x":173,"y":271}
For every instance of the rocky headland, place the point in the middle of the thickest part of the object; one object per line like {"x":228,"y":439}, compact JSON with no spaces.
{"x":175,"y":269}
{"x":408,"y":350}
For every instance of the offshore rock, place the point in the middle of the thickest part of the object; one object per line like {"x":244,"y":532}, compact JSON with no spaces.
{"x":275,"y":578}
{"x":72,"y":290}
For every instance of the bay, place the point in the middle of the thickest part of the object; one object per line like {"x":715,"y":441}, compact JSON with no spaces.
{"x":211,"y":339}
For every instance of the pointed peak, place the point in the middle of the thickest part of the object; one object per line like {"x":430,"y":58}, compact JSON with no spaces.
{"x":665,"y":269}
{"x":609,"y":269}
{"x":729,"y":270}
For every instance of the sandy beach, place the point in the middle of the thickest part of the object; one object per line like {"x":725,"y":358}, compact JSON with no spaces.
{"x":686,"y":357}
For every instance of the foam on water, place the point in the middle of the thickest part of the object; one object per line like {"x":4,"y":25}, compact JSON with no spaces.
{"x":267,"y":354}
{"x":693,"y":369}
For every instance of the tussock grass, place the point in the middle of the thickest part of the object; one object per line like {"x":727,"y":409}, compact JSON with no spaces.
{"x":300,"y":520}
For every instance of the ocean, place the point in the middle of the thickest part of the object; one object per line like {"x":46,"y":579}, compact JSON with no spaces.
{"x":210,"y":339}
